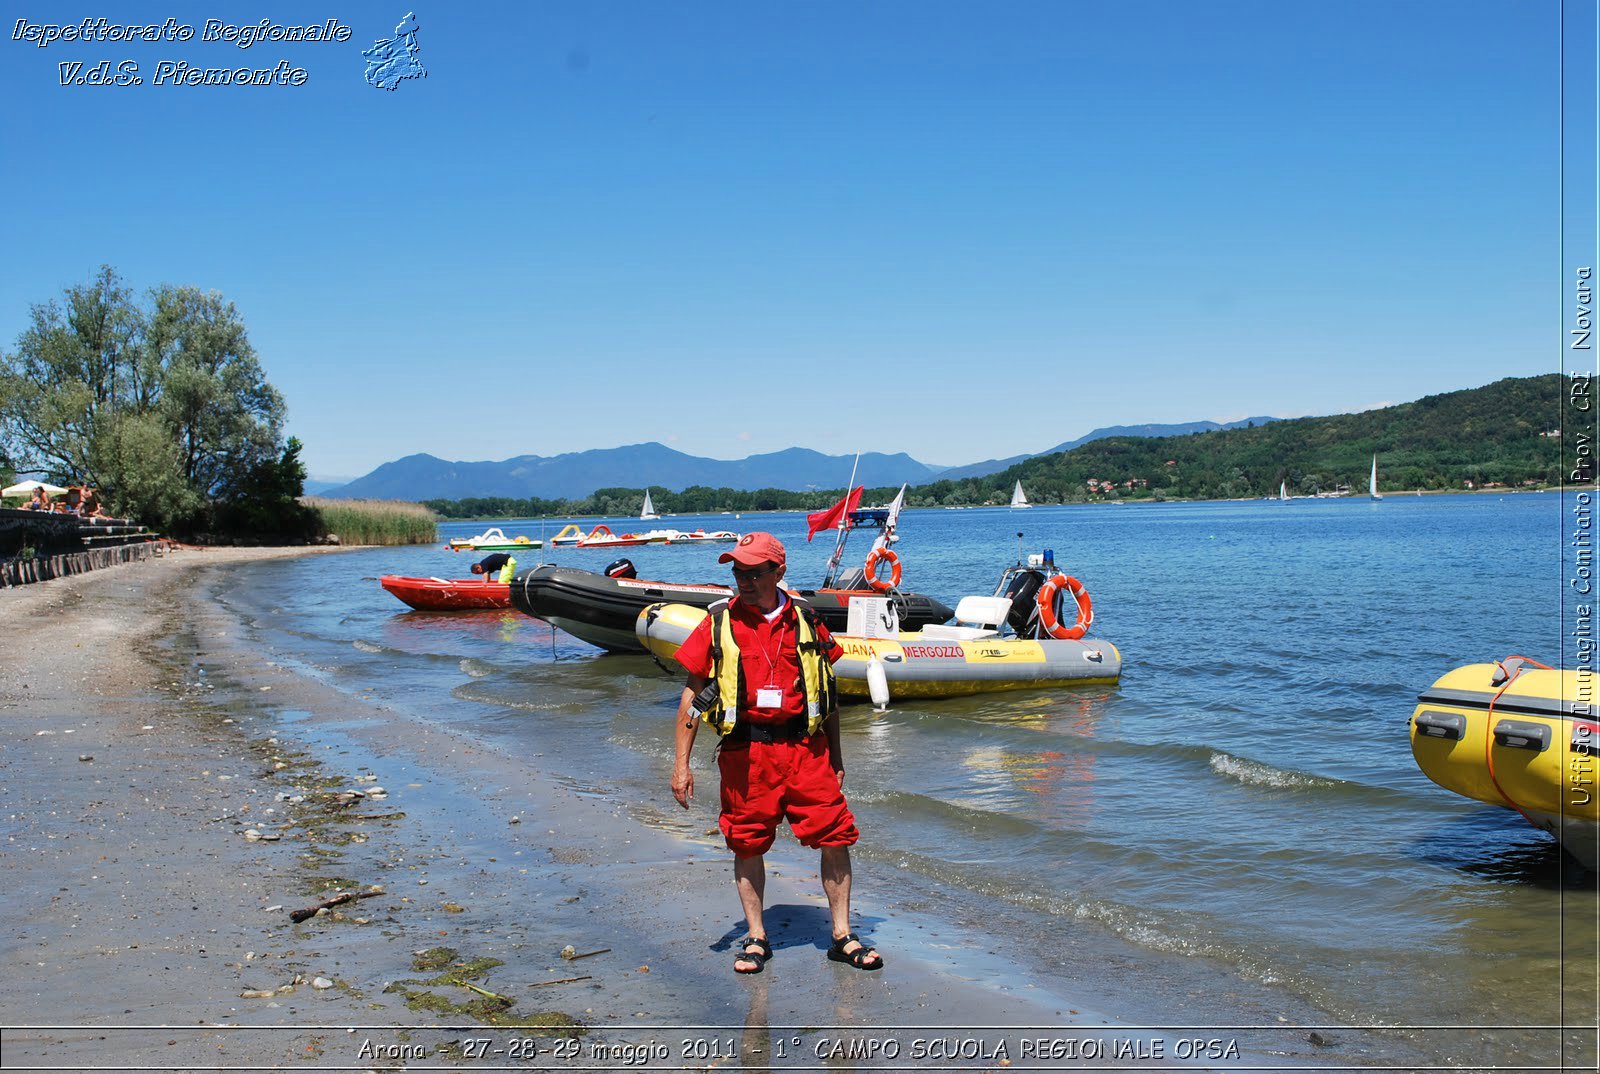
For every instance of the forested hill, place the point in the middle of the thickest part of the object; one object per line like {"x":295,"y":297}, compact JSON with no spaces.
{"x":1502,"y":434}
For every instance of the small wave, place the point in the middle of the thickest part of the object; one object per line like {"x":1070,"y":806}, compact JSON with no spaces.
{"x":1187,"y":934}
{"x":1257,"y":774}
{"x":505,"y":695}
{"x":911,"y":807}
{"x":476,"y":668}
{"x":367,"y":646}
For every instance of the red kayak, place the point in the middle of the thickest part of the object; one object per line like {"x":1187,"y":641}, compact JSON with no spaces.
{"x":443,"y":595}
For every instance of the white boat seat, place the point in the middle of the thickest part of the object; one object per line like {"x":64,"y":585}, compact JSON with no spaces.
{"x":976,"y":618}
{"x":983,"y":611}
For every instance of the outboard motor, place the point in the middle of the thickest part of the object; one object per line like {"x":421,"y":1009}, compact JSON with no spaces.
{"x":1023,"y":591}
{"x":622,"y":568}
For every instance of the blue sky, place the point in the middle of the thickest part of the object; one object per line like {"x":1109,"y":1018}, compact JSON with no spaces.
{"x":959,"y":230}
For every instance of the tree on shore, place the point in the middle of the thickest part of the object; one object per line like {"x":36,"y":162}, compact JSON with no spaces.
{"x":266,"y":502}
{"x":164,"y":407}
{"x":58,"y":392}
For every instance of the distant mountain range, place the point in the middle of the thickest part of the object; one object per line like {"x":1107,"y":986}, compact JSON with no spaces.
{"x":577,"y":474}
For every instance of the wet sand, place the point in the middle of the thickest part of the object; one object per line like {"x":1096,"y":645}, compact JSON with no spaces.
{"x":144,"y":737}
{"x":136,"y":899}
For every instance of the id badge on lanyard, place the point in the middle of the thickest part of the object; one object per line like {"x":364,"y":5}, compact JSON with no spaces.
{"x":770,"y":696}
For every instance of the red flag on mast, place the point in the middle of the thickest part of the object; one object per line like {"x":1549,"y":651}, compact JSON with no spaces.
{"x":827,"y":520}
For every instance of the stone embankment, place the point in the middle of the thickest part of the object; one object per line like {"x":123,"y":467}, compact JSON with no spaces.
{"x":14,"y":572}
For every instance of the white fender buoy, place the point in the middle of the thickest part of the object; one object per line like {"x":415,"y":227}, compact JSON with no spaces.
{"x":877,"y":683}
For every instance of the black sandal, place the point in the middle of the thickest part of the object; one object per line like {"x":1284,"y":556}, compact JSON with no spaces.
{"x":858,"y":957}
{"x":758,"y":957}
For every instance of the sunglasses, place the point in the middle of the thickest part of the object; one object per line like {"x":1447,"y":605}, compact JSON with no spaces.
{"x":754,"y":572}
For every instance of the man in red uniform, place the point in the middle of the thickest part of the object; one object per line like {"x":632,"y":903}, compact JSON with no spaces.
{"x":776,"y":762}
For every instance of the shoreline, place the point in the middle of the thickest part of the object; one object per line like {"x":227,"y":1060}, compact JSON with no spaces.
{"x":138,"y":899}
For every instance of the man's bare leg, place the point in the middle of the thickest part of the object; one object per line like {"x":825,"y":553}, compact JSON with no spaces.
{"x":750,"y":877}
{"x":836,"y":885}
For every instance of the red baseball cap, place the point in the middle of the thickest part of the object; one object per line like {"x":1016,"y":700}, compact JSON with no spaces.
{"x":754,"y":548}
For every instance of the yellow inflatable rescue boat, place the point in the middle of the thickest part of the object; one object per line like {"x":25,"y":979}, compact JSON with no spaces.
{"x":1021,"y":637}
{"x":926,"y":662}
{"x":1521,"y":735}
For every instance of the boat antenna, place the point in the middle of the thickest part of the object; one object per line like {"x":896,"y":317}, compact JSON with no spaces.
{"x":844,"y":528}
{"x":1019,"y":548}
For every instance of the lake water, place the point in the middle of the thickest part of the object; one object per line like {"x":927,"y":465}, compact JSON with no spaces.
{"x":1243,"y":805}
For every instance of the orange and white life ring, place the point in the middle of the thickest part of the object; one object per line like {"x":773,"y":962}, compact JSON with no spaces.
{"x":1047,"y":607}
{"x":881,"y":555}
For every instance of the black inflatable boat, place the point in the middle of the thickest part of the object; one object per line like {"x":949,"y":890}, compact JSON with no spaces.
{"x":601,"y":608}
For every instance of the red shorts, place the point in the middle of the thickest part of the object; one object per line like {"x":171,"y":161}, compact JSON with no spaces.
{"x":771,"y":781}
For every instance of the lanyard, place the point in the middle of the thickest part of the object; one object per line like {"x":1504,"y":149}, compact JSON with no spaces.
{"x":777,"y":650}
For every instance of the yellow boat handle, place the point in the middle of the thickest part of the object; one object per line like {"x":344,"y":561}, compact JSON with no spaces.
{"x":1441,"y":725}
{"x":1521,"y":735}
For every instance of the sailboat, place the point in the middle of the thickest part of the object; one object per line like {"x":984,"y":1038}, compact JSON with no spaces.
{"x":1283,"y":490}
{"x":1372,"y":484}
{"x":649,"y":510}
{"x":1018,"y":497}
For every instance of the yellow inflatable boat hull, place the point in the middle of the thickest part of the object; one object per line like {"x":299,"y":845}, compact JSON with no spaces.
{"x":1521,"y":737}
{"x":920,"y":666}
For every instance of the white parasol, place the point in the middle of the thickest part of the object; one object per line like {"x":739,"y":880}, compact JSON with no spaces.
{"x":25,"y":488}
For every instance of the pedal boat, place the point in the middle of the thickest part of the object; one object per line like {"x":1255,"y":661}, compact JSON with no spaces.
{"x":978,"y":653}
{"x":1520,"y":736}
{"x":701,"y":537}
{"x":446,"y":595}
{"x":570,"y":536}
{"x":492,"y":540}
{"x":602,"y":537}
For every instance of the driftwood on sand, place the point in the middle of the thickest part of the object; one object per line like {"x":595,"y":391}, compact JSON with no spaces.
{"x":344,"y":897}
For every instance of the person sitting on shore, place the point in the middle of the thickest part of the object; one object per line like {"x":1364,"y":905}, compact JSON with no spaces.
{"x":89,"y":504}
{"x":39,"y":501}
{"x":74,"y":500}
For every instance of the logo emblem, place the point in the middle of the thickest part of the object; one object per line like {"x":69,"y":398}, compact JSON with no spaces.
{"x":392,"y":60}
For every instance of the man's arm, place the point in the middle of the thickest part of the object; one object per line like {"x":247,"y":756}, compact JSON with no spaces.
{"x":683,"y":741}
{"x":832,"y":651}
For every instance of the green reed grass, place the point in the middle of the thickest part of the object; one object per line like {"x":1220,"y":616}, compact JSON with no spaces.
{"x":375,"y":521}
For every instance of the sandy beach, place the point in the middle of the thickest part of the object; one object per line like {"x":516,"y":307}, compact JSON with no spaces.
{"x":170,"y":795}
